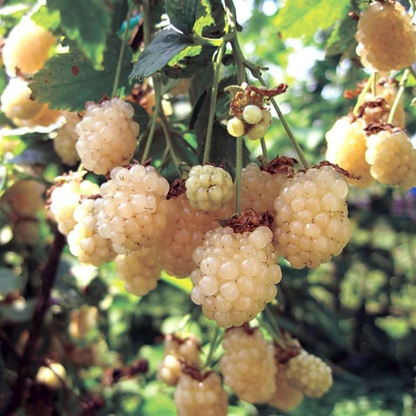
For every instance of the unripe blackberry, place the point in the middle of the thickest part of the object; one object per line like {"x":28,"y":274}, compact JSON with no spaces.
{"x":16,"y":102}
{"x":82,"y":321}
{"x":84,"y":240}
{"x":203,"y":396}
{"x":26,"y":231}
{"x":27,"y":47}
{"x":51,"y":376}
{"x":139,"y":270}
{"x":347,"y":144}
{"x":25,"y":198}
{"x":260,"y":188}
{"x":65,"y":198}
{"x":185,"y":232}
{"x":209,"y":188}
{"x":66,"y":139}
{"x":107,"y":135}
{"x":132,"y":210}
{"x":235,"y":275}
{"x":386,"y":37}
{"x":259,"y":130}
{"x":312,"y":222}
{"x":178,"y":351}
{"x":252,"y":114}
{"x":309,"y":374}
{"x":248,"y":365}
{"x":235,"y":127}
{"x":392,"y":158}
{"x":285,"y":397}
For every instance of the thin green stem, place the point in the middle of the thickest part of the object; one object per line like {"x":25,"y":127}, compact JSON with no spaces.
{"x":285,"y":125}
{"x":271,"y":331}
{"x":238,"y":169}
{"x":121,"y":54}
{"x":163,"y":161}
{"x":212,"y":346}
{"x":166,"y":131}
{"x":399,"y":95}
{"x":362,"y":95}
{"x":146,"y":20}
{"x":413,"y":8}
{"x":374,"y":86}
{"x":275,"y":327}
{"x":213,"y":101}
{"x":264,"y":149}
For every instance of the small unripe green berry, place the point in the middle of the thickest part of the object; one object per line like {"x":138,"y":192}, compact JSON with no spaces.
{"x":235,"y":127}
{"x":252,"y":114}
{"x":258,"y":131}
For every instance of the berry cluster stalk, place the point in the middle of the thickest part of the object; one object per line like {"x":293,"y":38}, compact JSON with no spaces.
{"x":121,"y":54}
{"x":363,"y":93}
{"x":398,"y":98}
{"x":213,"y":101}
{"x":212,"y":346}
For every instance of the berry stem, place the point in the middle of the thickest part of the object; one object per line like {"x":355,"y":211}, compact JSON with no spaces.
{"x":212,"y":346}
{"x":362,"y":95}
{"x":213,"y":102}
{"x":288,"y":130}
{"x":402,"y":86}
{"x":238,"y":169}
{"x":374,"y":85}
{"x":264,"y":149}
{"x":155,"y":116}
{"x":121,"y":54}
{"x":275,"y":328}
{"x":166,"y":131}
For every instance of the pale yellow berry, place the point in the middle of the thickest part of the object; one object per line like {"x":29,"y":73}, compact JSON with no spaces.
{"x":347,"y":144}
{"x":235,"y":127}
{"x":248,"y":365}
{"x":25,"y":198}
{"x":140,"y":270}
{"x":16,"y":102}
{"x":133,"y":208}
{"x":52,"y":375}
{"x":386,"y":37}
{"x":392,"y":158}
{"x":209,"y":188}
{"x":235,"y":275}
{"x":252,"y":114}
{"x":185,"y":232}
{"x":27,"y":47}
{"x":107,"y":135}
{"x":204,"y":397}
{"x":309,"y":374}
{"x":66,"y":139}
{"x":285,"y":397}
{"x":312,"y":222}
{"x":84,"y":240}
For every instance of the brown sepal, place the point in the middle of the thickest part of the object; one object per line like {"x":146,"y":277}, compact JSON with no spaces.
{"x":249,"y":220}
{"x":280,"y":89}
{"x":354,"y":16}
{"x":181,"y":340}
{"x":194,"y":372}
{"x":245,"y":327}
{"x":292,"y":349}
{"x":280,"y":164}
{"x":338,"y":168}
{"x":377,"y":128}
{"x":177,"y":188}
{"x":378,"y":102}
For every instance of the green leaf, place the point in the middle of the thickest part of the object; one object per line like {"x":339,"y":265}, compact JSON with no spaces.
{"x":46,"y":18}
{"x":86,"y":22}
{"x":37,"y":153}
{"x":67,"y":81}
{"x":342,"y":37}
{"x":9,"y":282}
{"x":140,"y":116}
{"x":189,"y":61}
{"x":300,"y":18}
{"x":210,"y":19}
{"x":182,"y":14}
{"x":164,"y":46}
{"x":205,"y":17}
{"x":119,"y":13}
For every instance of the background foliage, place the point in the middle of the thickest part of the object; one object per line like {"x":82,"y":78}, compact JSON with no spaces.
{"x":357,"y":312}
